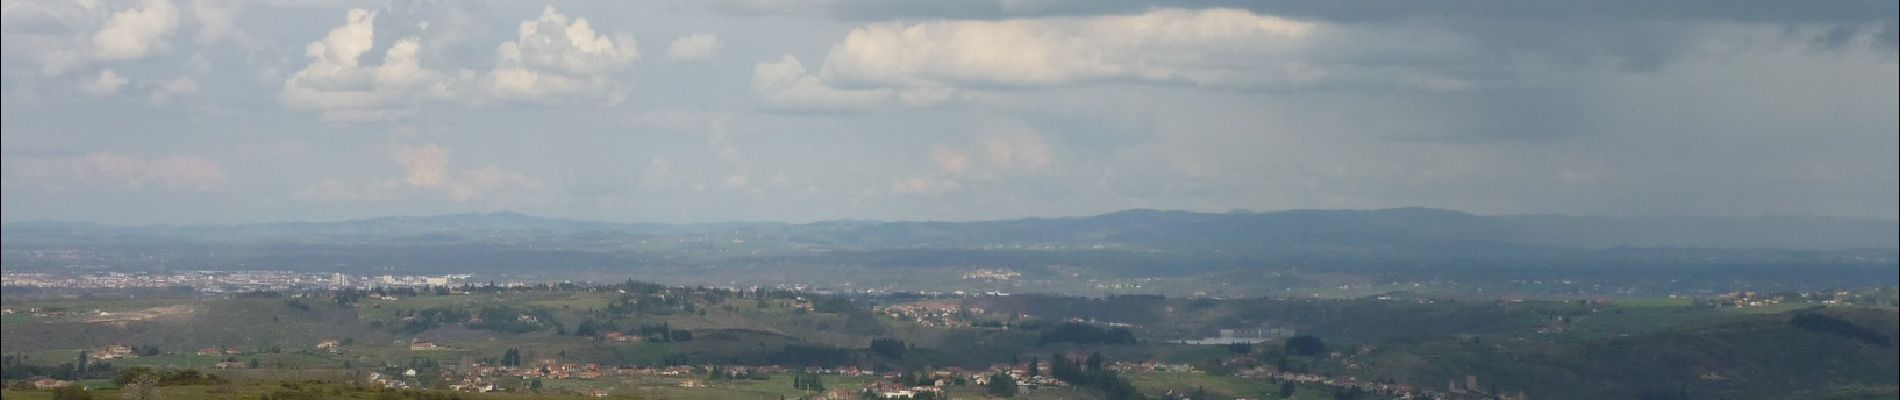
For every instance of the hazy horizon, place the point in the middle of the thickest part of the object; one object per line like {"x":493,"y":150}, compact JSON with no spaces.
{"x":1023,"y":217}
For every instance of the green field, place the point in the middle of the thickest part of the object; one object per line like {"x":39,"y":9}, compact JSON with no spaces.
{"x":1592,"y":349}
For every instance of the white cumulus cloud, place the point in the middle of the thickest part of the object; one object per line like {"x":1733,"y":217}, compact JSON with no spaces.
{"x":338,"y":84}
{"x":136,"y":32}
{"x":1217,"y":47}
{"x":785,"y":83}
{"x":553,"y":43}
{"x":553,"y":60}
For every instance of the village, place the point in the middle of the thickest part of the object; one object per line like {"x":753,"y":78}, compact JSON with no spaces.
{"x":599,"y":380}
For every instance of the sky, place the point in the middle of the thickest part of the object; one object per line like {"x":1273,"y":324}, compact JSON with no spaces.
{"x":225,"y":111}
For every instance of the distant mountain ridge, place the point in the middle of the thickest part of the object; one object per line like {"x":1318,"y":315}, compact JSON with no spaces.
{"x":1182,"y":230}
{"x":1382,"y":227}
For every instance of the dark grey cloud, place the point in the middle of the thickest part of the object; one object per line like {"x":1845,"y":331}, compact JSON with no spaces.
{"x":1632,"y":34}
{"x":1838,"y":12}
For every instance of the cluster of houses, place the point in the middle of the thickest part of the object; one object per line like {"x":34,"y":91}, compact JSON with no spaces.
{"x":220,"y":281}
{"x":989,"y":274}
{"x":1149,"y":366}
{"x":937,"y":314}
{"x":38,"y":312}
{"x":1092,"y":321}
{"x":113,"y":352}
{"x":217,"y":351}
{"x":50,"y":383}
{"x":1753,"y":299}
{"x":1837,"y":297}
{"x":618,"y":337}
{"x":120,"y":350}
{"x":936,"y":381}
{"x":1470,"y":388}
{"x":884,"y":390}
{"x":224,"y":351}
{"x":487,"y":378}
{"x":484,"y":378}
{"x":1745,"y":299}
{"x":1456,"y":389}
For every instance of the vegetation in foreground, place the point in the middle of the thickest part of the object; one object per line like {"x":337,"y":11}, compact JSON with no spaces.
{"x":636,"y":340}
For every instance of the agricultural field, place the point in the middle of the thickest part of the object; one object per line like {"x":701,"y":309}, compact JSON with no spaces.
{"x":650,"y":341}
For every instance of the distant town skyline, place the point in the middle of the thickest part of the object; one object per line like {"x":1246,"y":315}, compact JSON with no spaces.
{"x":220,"y":112}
